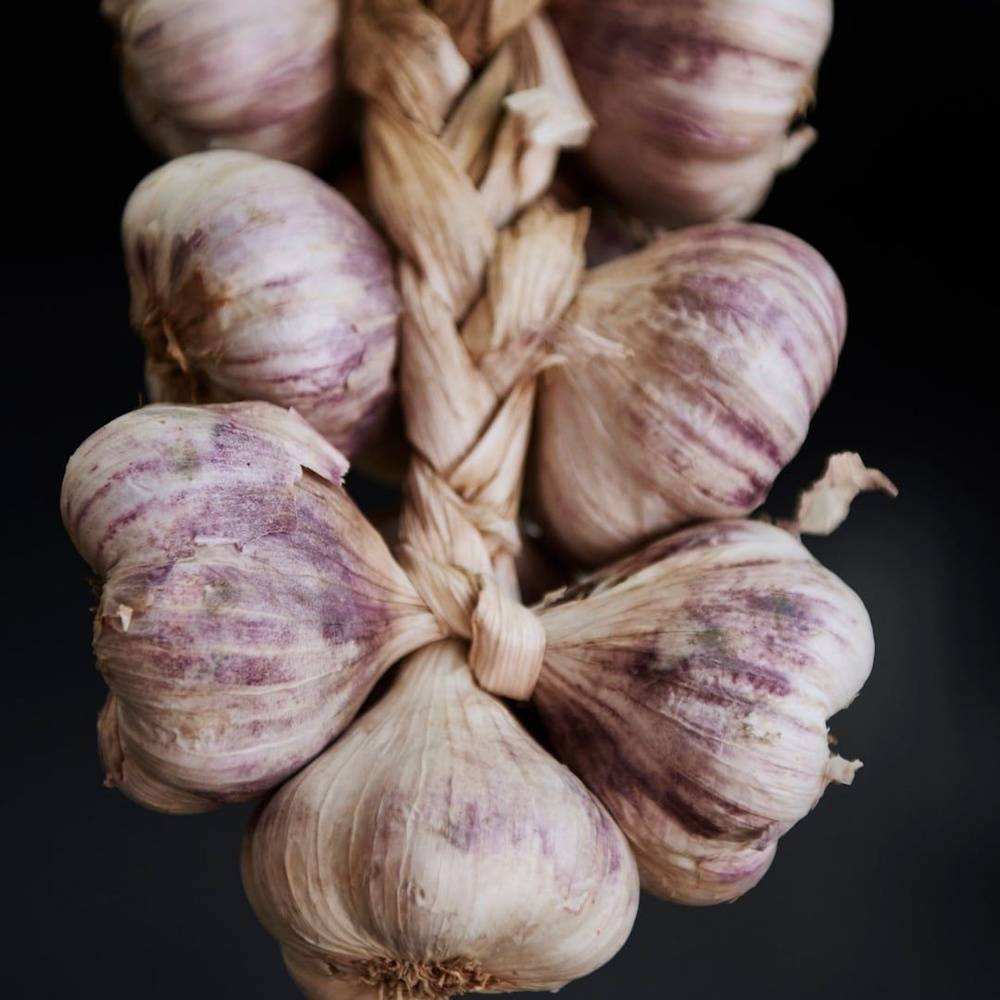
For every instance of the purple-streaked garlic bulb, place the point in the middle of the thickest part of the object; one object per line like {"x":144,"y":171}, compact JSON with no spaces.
{"x":252,"y":279}
{"x":246,"y":606}
{"x":689,"y":685}
{"x":694,"y":99}
{"x":236,"y":74}
{"x":436,"y":850}
{"x":693,"y":369}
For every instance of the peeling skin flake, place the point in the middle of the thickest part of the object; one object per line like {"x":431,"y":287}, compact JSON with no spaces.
{"x":825,"y":505}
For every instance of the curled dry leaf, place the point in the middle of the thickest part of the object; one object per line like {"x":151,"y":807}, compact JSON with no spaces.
{"x":825,"y":505}
{"x":252,"y":279}
{"x":694,"y":98}
{"x":246,"y":607}
{"x":238,"y":74}
{"x":731,"y":334}
{"x":689,"y":685}
{"x":435,"y":850}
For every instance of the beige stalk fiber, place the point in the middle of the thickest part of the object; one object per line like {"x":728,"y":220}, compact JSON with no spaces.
{"x":455,"y":171}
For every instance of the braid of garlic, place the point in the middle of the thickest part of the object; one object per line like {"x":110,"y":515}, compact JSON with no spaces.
{"x":455,"y":170}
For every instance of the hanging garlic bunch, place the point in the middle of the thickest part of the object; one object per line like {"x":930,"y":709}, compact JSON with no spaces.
{"x":714,"y":346}
{"x":694,"y":100}
{"x":238,"y":74}
{"x":252,"y":279}
{"x":246,"y":607}
{"x":436,"y":850}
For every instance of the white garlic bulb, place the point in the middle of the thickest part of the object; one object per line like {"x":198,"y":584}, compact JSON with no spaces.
{"x":436,"y":849}
{"x":236,"y":74}
{"x":694,"y":100}
{"x":719,"y":343}
{"x":252,"y":279}
{"x":690,"y":684}
{"x":246,"y":607}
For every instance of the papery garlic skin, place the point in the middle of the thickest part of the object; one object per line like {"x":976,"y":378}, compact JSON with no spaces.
{"x":436,"y":849}
{"x":246,"y":607}
{"x":236,"y":74}
{"x":719,"y":342}
{"x":689,"y":686}
{"x":252,"y":279}
{"x":694,"y":98}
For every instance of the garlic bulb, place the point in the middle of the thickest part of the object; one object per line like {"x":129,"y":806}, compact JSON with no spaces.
{"x":689,"y":686}
{"x":693,"y":100}
{"x":246,"y":606}
{"x":716,"y":345}
{"x":252,"y":279}
{"x":238,"y":74}
{"x":435,"y":850}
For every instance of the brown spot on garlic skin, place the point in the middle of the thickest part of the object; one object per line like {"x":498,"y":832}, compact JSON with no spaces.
{"x":252,"y":279}
{"x":689,"y":686}
{"x":437,"y":849}
{"x":697,"y":94}
{"x":240,"y":74}
{"x":263,"y":607}
{"x":732,"y":333}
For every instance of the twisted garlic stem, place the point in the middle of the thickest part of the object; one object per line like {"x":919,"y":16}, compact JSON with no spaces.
{"x":455,"y":172}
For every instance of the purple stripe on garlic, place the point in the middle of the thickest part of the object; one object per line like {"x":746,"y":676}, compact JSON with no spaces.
{"x":720,"y":342}
{"x":246,"y":607}
{"x":689,"y":685}
{"x":252,"y":279}
{"x":239,"y":74}
{"x":436,"y":850}
{"x":694,"y":98}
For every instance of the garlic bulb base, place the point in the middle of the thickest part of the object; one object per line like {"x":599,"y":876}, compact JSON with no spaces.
{"x":428,"y":980}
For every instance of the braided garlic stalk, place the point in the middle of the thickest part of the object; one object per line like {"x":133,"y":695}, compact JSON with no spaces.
{"x":459,"y":857}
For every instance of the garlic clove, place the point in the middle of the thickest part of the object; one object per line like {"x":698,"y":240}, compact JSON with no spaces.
{"x":238,"y":74}
{"x":690,"y":685}
{"x":720,"y":342}
{"x":252,"y":279}
{"x":436,"y":849}
{"x":694,"y":101}
{"x":246,"y":607}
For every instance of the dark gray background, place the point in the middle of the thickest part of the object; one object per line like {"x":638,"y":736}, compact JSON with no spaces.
{"x":888,"y":886}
